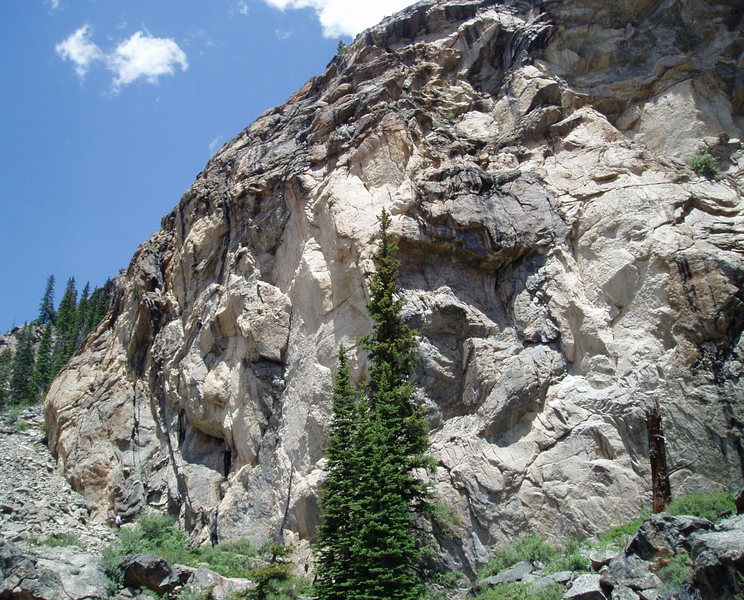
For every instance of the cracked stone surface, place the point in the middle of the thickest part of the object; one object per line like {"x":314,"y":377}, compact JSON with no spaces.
{"x":564,"y":269}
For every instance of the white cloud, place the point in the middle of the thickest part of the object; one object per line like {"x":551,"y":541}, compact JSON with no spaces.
{"x":215,"y":144}
{"x":140,"y":56}
{"x":345,"y":17}
{"x":145,"y":56}
{"x":281,"y":34}
{"x":243,"y":7}
{"x":80,"y":50}
{"x":54,"y":4}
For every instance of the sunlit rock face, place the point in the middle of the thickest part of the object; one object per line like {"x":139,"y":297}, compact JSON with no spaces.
{"x":564,"y":268}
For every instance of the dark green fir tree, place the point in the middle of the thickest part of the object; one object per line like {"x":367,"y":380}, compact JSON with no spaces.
{"x":46,"y":306}
{"x":381,"y":557}
{"x":66,"y":326}
{"x":22,"y":389}
{"x":337,"y":533}
{"x":6,"y":365}
{"x":43,"y":365}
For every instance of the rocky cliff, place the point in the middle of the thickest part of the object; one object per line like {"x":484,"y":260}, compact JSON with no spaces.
{"x":565,"y":270}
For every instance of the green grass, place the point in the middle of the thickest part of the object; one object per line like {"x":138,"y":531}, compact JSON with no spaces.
{"x":61,"y":540}
{"x":155,"y":534}
{"x":619,"y":536}
{"x":700,"y":504}
{"x":529,"y":548}
{"x":521,"y":591}
{"x":568,"y":558}
{"x":676,"y":572}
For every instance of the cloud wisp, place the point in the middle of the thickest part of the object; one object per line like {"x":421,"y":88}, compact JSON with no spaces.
{"x":345,"y":17}
{"x":142,"y":56}
{"x":79,"y":49}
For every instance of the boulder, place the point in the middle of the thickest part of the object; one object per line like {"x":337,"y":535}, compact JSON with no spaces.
{"x":739,"y":501}
{"x":686,"y":592}
{"x":561,"y":577}
{"x":586,"y":587}
{"x":221,"y":588}
{"x":522,"y":571}
{"x":601,"y":558}
{"x":622,"y":592}
{"x":630,"y":571}
{"x":150,"y":572}
{"x":50,"y":574}
{"x":665,"y":535}
{"x":718,"y":559}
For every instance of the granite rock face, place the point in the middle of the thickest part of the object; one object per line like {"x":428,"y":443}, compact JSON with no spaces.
{"x":564,"y":268}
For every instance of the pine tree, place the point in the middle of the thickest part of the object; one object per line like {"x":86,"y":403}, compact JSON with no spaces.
{"x":65,"y":326}
{"x":373,"y":554}
{"x":22,"y":388}
{"x":339,"y":490}
{"x":43,"y":366}
{"x":82,"y":316}
{"x":99,"y":303}
{"x":6,"y":364}
{"x":46,"y":306}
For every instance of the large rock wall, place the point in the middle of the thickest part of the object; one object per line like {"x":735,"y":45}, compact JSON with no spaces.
{"x":564,"y":268}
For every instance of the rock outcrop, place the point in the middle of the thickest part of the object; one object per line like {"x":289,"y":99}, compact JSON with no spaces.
{"x":564,"y":268}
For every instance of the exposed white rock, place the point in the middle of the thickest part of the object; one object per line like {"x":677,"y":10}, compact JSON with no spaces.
{"x":564,"y":269}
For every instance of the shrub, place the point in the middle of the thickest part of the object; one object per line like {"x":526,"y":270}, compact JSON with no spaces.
{"x":521,"y":591}
{"x":676,"y":572}
{"x":59,"y":540}
{"x":700,"y":504}
{"x":706,"y":165}
{"x":569,"y":558}
{"x":155,"y":534}
{"x":529,"y":548}
{"x":618,"y":537}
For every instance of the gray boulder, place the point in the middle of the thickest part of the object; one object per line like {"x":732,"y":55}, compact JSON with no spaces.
{"x":630,"y":571}
{"x":586,"y":587}
{"x":665,"y":535}
{"x":50,"y":574}
{"x":686,"y":592}
{"x":220,"y":588}
{"x":150,"y":572}
{"x":718,"y":558}
{"x":622,"y":592}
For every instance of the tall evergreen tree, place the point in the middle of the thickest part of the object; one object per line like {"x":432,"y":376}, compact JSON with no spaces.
{"x":6,"y":364}
{"x":374,"y":554}
{"x":66,"y":326}
{"x":335,"y":558}
{"x":22,"y":388}
{"x":65,"y":322}
{"x":43,"y":365}
{"x":46,"y":306}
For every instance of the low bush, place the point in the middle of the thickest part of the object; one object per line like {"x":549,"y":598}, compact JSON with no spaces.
{"x":521,"y":591}
{"x":59,"y":540}
{"x":619,"y":536}
{"x":700,"y":504}
{"x":676,"y":572}
{"x":706,"y":165}
{"x":568,"y":558}
{"x":156,"y":535}
{"x":529,"y":548}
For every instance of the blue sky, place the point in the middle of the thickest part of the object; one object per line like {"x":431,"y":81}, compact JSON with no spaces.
{"x":110,"y":108}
